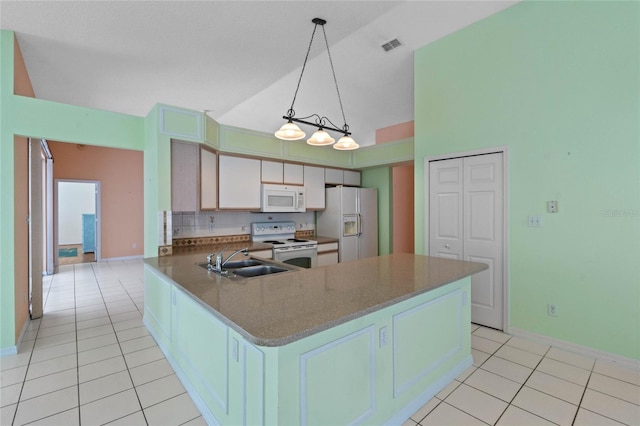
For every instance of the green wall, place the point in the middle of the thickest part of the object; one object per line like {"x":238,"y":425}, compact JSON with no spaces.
{"x":380,"y":178}
{"x":44,"y":119}
{"x":558,"y":83}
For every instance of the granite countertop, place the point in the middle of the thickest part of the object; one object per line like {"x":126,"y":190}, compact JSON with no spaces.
{"x":277,"y":309}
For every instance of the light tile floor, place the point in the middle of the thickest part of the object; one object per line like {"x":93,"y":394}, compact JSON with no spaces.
{"x":90,"y":360}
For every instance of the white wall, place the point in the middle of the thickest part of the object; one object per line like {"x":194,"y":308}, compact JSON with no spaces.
{"x":74,"y":199}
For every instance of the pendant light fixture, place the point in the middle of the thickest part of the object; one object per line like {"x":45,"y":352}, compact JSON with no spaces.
{"x":291,"y":132}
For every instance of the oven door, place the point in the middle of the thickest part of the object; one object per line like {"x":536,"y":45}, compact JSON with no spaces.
{"x":302,"y":256}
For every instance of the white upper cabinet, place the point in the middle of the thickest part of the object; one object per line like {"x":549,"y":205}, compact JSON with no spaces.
{"x":272,"y":171}
{"x":333,"y":176}
{"x":184,"y":176}
{"x":208,"y":179}
{"x":293,"y":174}
{"x":314,"y":187}
{"x":352,"y":177}
{"x":239,"y":183}
{"x":194,"y":177}
{"x":342,"y":177}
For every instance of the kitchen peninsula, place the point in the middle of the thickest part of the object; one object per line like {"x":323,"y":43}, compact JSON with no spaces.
{"x":368,"y":341}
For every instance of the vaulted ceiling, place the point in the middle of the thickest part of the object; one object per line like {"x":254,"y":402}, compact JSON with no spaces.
{"x":238,"y":60}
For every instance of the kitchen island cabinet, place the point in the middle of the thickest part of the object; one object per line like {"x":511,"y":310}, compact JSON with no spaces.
{"x":373,"y":339}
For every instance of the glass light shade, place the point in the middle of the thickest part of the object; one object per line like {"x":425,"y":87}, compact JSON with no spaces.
{"x":290,"y":132}
{"x":346,"y":143}
{"x":320,"y":137}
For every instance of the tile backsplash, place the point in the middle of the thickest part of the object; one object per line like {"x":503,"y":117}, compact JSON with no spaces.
{"x":205,"y":224}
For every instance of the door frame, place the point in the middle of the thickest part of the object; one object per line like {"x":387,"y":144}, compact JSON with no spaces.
{"x":97,"y":197}
{"x":505,"y":214}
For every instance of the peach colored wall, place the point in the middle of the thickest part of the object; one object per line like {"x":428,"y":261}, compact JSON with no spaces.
{"x":395,"y":132}
{"x":21,"y":82}
{"x":403,"y":213}
{"x":21,"y":86}
{"x":120,"y":173}
{"x":402,"y":178}
{"x":21,"y":229}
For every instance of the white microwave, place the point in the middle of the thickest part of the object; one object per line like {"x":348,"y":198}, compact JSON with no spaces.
{"x":282,"y":198}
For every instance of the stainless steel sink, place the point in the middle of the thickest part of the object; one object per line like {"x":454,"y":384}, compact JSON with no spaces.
{"x":247,"y":268}
{"x":254,"y":271}
{"x":235,"y":264}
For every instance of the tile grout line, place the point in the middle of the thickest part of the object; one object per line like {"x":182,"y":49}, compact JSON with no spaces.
{"x":120,"y":345}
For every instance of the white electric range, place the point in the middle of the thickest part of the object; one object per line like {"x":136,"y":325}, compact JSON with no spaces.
{"x":286,"y":247}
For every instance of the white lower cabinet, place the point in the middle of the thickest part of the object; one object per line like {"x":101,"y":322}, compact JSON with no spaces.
{"x":239,"y":183}
{"x":327,"y":254}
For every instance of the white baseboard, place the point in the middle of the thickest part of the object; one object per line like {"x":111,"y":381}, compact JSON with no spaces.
{"x":13,"y":350}
{"x":579,"y":349}
{"x":119,"y":259}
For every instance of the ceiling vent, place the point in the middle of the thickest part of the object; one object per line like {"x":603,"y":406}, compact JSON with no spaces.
{"x":391,"y":45}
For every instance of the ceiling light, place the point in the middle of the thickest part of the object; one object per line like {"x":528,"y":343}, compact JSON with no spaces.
{"x":320,"y":138}
{"x":346,"y":143}
{"x":291,"y":132}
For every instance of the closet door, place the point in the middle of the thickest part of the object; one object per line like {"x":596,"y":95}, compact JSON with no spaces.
{"x":482,"y":241}
{"x":445,"y":209}
{"x":466,"y":222}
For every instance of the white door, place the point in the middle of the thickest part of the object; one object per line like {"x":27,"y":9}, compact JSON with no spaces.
{"x":466,"y":221}
{"x":36,"y":228}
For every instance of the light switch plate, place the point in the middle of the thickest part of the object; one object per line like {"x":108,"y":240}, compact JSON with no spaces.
{"x":552,"y":206}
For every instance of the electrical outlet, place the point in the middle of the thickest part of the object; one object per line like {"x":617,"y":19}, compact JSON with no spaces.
{"x":535,"y":221}
{"x":383,"y":336}
{"x":552,"y":310}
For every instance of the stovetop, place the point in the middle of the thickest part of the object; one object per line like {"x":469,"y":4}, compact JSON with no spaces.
{"x":280,"y":234}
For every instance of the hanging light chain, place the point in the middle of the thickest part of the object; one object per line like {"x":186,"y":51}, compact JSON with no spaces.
{"x":291,"y":112}
{"x":335,"y":80}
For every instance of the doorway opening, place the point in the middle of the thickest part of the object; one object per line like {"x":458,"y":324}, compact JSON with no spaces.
{"x":77,"y":219}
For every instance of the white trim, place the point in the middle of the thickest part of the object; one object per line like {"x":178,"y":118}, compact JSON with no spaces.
{"x":117,"y":259}
{"x":13,"y":350}
{"x":401,"y":416}
{"x":505,"y":215}
{"x":400,"y":388}
{"x":579,"y":349}
{"x":193,"y":393}
{"x":194,"y":114}
{"x":305,"y":357}
{"x":98,"y":206}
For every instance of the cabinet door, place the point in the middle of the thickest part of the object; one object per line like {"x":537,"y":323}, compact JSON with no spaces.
{"x":334,"y":176}
{"x":352,"y":177}
{"x":271,"y":171}
{"x":208,"y":180}
{"x":293,"y":174}
{"x":184,"y":177}
{"x":314,"y":187}
{"x":327,"y":254}
{"x":239,"y":183}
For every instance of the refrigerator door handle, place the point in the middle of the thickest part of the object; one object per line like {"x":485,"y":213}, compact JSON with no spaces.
{"x":359,"y":224}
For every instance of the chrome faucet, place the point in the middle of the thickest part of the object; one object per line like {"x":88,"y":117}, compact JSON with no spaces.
{"x":218,"y":256}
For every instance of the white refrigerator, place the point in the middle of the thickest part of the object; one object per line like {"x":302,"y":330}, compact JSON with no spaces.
{"x":351,"y":215}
